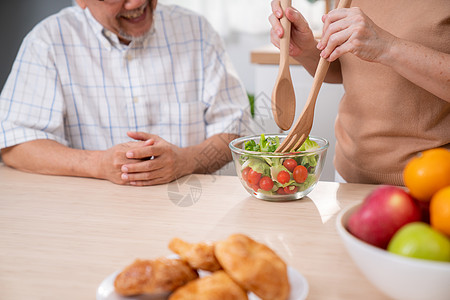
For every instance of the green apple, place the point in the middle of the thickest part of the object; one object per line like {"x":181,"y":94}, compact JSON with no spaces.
{"x":419,"y":240}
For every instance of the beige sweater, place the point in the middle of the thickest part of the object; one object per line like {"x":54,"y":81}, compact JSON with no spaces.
{"x":384,"y":119}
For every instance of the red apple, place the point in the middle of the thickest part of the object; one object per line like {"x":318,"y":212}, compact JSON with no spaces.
{"x":382,"y":213}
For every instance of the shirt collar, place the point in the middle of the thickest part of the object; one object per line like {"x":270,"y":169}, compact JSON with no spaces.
{"x":110,"y":39}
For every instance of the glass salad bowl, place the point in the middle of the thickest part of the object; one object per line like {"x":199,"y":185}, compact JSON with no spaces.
{"x":278,"y":176}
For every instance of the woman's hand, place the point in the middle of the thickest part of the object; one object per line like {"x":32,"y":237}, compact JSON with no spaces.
{"x":349,"y":30}
{"x":302,"y":38}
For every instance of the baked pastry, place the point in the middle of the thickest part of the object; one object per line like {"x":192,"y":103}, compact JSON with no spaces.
{"x":254,"y":266}
{"x":198,"y":256}
{"x":218,"y":286}
{"x":156,"y":276}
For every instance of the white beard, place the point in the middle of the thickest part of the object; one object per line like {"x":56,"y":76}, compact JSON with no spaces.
{"x":124,"y":35}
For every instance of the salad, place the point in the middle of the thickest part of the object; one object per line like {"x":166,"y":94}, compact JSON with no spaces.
{"x":273,"y":175}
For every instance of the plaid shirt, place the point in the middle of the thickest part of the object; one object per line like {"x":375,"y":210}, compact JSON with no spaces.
{"x":75,"y":83}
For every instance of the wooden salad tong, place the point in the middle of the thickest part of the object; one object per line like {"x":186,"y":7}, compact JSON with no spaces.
{"x":299,"y":133}
{"x":283,"y":95}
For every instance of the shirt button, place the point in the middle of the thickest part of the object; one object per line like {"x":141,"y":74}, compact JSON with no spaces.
{"x":136,"y":100}
{"x":129,"y":57}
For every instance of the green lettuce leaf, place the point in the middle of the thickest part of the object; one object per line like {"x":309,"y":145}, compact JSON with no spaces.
{"x":308,"y":145}
{"x":308,"y":182}
{"x":252,"y":146}
{"x":257,"y":165}
{"x":269,"y":144}
{"x":309,"y":160}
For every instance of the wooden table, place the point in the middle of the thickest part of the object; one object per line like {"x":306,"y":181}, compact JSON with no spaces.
{"x":61,"y":236}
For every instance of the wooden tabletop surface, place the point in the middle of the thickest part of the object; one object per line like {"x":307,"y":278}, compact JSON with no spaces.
{"x":61,"y":236}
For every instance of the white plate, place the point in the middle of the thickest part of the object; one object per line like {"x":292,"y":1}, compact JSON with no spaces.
{"x":299,"y":288}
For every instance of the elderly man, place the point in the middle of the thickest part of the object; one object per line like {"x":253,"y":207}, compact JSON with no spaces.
{"x":124,"y":90}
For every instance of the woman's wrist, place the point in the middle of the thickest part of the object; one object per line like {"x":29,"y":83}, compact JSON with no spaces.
{"x":390,"y":50}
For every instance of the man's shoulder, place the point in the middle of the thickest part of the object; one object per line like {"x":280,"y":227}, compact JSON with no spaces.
{"x":60,"y":23}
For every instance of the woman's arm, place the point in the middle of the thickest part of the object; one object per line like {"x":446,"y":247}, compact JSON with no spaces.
{"x":352,"y":31}
{"x":426,"y":67}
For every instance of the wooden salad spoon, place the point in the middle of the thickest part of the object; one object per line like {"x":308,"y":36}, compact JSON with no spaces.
{"x":299,"y":133}
{"x":283,"y":95}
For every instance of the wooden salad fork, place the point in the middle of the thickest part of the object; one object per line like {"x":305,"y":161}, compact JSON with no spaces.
{"x":299,"y":133}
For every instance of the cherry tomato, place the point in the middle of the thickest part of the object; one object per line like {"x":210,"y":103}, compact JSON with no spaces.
{"x":283,"y":177}
{"x":245,"y":173}
{"x":290,"y":164}
{"x":300,"y":174}
{"x":291,"y":189}
{"x":255,"y":187}
{"x":253,"y":177}
{"x":266,"y":183}
{"x":281,"y":191}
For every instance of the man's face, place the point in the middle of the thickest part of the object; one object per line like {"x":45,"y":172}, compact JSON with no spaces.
{"x":129,"y":19}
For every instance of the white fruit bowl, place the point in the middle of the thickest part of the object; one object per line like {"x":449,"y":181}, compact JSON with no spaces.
{"x":397,"y":276}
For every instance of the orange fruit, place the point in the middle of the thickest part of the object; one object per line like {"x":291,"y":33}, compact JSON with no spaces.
{"x":440,"y":211}
{"x":427,"y":173}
